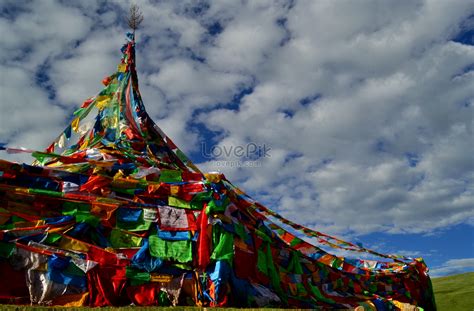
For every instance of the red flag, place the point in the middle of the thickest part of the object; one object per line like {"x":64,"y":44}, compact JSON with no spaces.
{"x":50,"y":149}
{"x":95,"y":182}
{"x":107,"y":286}
{"x":204,"y":240}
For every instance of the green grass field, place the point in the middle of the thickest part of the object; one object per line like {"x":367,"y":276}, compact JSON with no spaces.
{"x":454,"y":293}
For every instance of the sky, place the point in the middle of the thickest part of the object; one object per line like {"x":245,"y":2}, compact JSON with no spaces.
{"x":354,"y":118}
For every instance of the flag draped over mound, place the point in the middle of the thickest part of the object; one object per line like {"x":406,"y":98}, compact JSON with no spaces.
{"x":113,"y":213}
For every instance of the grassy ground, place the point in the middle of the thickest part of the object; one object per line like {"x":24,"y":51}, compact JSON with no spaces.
{"x":456,"y":292}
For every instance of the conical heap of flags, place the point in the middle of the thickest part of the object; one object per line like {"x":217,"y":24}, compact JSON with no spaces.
{"x":113,"y":214}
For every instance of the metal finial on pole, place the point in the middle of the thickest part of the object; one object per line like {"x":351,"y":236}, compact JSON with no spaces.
{"x":135,"y":17}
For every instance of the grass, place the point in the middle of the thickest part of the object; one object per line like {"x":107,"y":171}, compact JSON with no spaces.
{"x":456,"y":292}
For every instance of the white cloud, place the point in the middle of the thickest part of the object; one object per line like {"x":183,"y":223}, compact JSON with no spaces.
{"x":389,"y":88}
{"x":366,"y":107}
{"x":193,"y":84}
{"x":249,"y":38}
{"x":453,"y":266}
{"x":34,"y":37}
{"x":78,"y":76}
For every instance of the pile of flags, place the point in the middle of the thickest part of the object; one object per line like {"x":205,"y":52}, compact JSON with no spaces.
{"x":112,"y":213}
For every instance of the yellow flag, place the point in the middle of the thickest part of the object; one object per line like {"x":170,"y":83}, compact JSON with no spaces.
{"x":102,"y":101}
{"x":213,"y":177}
{"x":162,"y":278}
{"x":71,"y":300}
{"x":72,"y":244}
{"x":75,"y":124}
{"x":153,"y":187}
{"x":174,"y":190}
{"x":122,"y":67}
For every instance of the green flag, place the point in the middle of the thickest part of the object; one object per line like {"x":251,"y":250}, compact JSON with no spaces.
{"x":224,"y":244}
{"x":120,"y":238}
{"x":180,"y":251}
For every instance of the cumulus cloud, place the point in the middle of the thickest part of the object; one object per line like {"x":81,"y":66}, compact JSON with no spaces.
{"x":34,"y":36}
{"x":453,"y":266}
{"x":366,"y":108}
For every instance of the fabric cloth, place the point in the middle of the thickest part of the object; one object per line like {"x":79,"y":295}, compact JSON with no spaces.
{"x":204,"y":240}
{"x":42,"y":289}
{"x":174,"y":235}
{"x":157,"y":293}
{"x":107,"y":286}
{"x":170,"y":176}
{"x":143,"y":259}
{"x":223,"y":242}
{"x":264,"y":296}
{"x":244,"y":263}
{"x":175,"y":219}
{"x":150,"y":214}
{"x":120,"y":238}
{"x":220,"y":287}
{"x":63,"y":271}
{"x":71,"y":300}
{"x":132,"y":219}
{"x":180,"y":251}
{"x":16,"y":287}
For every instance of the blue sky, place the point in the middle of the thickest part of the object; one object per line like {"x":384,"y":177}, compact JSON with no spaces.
{"x":366,"y":108}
